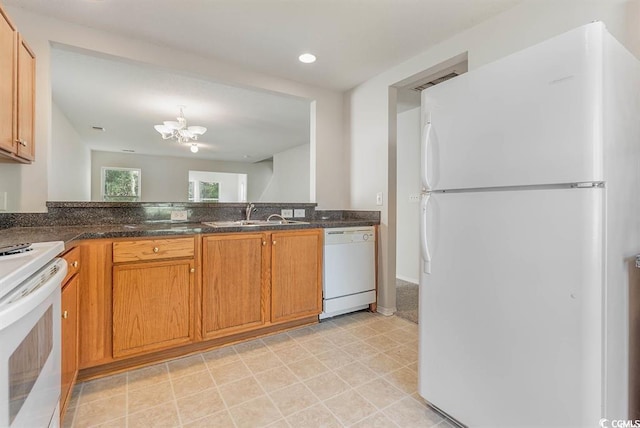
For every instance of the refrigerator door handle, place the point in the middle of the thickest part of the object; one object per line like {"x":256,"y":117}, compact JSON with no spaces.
{"x":424,"y":243}
{"x":426,"y":136}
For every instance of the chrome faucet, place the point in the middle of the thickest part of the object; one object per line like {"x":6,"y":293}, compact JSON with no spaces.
{"x":250,"y":208}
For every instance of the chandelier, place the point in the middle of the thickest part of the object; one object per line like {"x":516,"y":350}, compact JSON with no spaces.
{"x":179,"y":131}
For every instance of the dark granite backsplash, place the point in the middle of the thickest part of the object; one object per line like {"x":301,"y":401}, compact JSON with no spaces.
{"x":98,"y":213}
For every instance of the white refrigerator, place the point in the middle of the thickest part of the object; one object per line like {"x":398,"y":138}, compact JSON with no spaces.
{"x":530,"y":224}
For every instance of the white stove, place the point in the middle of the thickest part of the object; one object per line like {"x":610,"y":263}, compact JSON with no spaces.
{"x":30,"y":336}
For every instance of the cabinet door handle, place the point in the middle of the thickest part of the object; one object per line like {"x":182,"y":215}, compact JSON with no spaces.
{"x":65,"y":314}
{"x":274,"y":242}
{"x":192,"y":270}
{"x":156,"y":249}
{"x":21,"y":142}
{"x":74,"y":264}
{"x":264,"y":243}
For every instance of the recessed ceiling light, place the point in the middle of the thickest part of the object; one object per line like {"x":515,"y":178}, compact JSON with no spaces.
{"x":307,"y":58}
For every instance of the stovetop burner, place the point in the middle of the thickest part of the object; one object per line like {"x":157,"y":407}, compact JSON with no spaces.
{"x":15,"y":249}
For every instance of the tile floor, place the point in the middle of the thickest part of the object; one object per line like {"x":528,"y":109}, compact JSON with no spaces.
{"x":357,"y":370}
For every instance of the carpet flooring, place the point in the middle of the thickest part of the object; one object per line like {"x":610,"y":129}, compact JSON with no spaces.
{"x":407,"y":300}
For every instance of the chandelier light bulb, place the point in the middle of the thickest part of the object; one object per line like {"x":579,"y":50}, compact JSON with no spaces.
{"x":194,"y":148}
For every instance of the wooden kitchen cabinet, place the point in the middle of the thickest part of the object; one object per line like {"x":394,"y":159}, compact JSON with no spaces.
{"x":296,"y":274}
{"x":17,"y":94}
{"x":69,"y":327}
{"x":235,"y":283}
{"x":153,"y":301}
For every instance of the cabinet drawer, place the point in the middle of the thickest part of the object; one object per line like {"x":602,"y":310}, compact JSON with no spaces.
{"x":152,"y":249}
{"x":73,"y":262}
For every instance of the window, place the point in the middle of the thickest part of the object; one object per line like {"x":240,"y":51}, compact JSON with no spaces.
{"x":120,"y":184}
{"x":204,"y":191}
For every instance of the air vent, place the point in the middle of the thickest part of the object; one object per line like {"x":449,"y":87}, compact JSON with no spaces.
{"x":98,"y":128}
{"x":434,"y":82}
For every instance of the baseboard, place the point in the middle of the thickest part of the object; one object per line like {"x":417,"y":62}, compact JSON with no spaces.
{"x":387,"y":312}
{"x":407,"y":279}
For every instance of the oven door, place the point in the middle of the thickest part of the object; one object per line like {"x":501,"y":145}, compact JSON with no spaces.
{"x":30,"y":351}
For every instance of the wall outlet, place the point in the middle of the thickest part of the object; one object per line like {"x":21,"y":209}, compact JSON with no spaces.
{"x":298,"y":212}
{"x":286,"y":213}
{"x":379,"y":198}
{"x":179,"y":215}
{"x":414,"y":197}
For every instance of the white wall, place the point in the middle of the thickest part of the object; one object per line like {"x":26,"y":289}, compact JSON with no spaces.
{"x":408,"y":183}
{"x":371,"y":113}
{"x":290,"y":181}
{"x":70,"y":174}
{"x":326,"y":142}
{"x":165,"y":179}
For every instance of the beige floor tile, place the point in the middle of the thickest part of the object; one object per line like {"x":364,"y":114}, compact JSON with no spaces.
{"x":382,"y":364}
{"x":381,"y":325}
{"x":277,"y":378}
{"x":190,"y":384}
{"x":355,"y":374}
{"x":326,"y":385}
{"x":251,"y":348}
{"x":309,"y":367}
{"x":444,"y":423}
{"x":146,"y":376}
{"x":229,"y":372}
{"x":403,"y":354}
{"x":341,"y":337}
{"x":318,"y":345}
{"x":75,"y":396}
{"x":99,"y":411}
{"x":203,"y":403}
{"x":402,"y":335}
{"x":293,"y":353}
{"x":303,"y":334}
{"x":280,"y":423}
{"x":377,"y":420}
{"x":262,"y":362}
{"x":380,"y":392}
{"x":381,"y":342}
{"x":256,"y":413}
{"x":409,"y":413}
{"x":151,"y":396}
{"x":102,"y":388}
{"x":67,"y":420}
{"x":276,"y":341}
{"x":334,"y":358}
{"x":220,"y":356}
{"x":240,"y":391}
{"x":359,"y":350}
{"x":399,"y":322}
{"x":293,"y":398}
{"x":186,"y":366}
{"x":164,"y":415}
{"x":345,"y":321}
{"x":217,"y":420}
{"x":413,"y":367}
{"x":350,"y":407}
{"x":362,"y":331}
{"x":404,"y":379}
{"x":314,"y":416}
{"x":325,"y":326}
{"x":115,"y":423}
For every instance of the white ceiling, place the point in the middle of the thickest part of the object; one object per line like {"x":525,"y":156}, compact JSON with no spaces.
{"x":353,"y":39}
{"x":128,"y":98}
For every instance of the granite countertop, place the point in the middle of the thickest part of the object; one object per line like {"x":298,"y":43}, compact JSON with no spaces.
{"x":69,"y":234}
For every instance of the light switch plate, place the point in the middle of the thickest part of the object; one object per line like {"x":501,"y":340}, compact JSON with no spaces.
{"x":286,"y":213}
{"x":379,"y":198}
{"x":298,"y":212}
{"x":179,"y":215}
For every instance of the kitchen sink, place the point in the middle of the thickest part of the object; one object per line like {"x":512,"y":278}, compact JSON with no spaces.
{"x":253,"y":223}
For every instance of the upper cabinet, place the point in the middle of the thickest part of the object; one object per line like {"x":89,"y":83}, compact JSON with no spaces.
{"x":17,"y":94}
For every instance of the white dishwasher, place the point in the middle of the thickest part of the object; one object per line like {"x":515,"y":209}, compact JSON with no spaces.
{"x":349,"y":282}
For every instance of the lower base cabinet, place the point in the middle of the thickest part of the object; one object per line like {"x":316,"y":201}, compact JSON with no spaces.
{"x":69,"y":333}
{"x":152,"y":306}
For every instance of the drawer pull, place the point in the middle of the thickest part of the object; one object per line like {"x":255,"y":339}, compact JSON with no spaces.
{"x":192,"y":270}
{"x":156,"y":249}
{"x":65,"y":314}
{"x":264,"y":243}
{"x":74,"y":264}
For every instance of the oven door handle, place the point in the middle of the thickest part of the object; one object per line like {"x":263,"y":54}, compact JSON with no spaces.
{"x":31,"y":293}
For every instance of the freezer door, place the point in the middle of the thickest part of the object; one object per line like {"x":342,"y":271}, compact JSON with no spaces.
{"x":533,"y":117}
{"x":511,"y":313}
